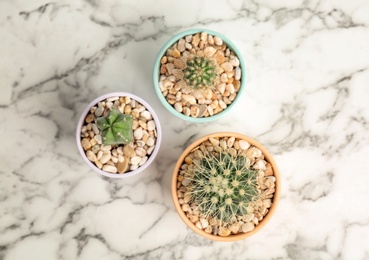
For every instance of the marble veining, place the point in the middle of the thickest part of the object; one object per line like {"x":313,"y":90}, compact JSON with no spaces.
{"x":306,"y":101}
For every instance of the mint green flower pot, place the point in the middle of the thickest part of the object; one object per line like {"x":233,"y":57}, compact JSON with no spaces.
{"x":156,"y":75}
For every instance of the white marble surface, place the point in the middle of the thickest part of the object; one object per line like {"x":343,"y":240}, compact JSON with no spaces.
{"x":306,"y":101}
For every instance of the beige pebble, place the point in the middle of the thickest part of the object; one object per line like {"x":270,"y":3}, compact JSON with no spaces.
{"x":189,"y":98}
{"x":218,"y":41}
{"x":222,"y":104}
{"x":260,"y":165}
{"x":237,"y":73}
{"x":95,"y":149}
{"x":99,"y":164}
{"x":186,"y":111}
{"x":170,"y":67}
{"x":120,"y":158}
{"x":214,"y":142}
{"x":244,"y":145}
{"x":150,"y":141}
{"x":105,"y":158}
{"x":135,"y":160}
{"x":198,"y":225}
{"x":98,"y":139}
{"x":247,"y":227}
{"x":235,"y":227}
{"x":194,"y":111}
{"x":230,"y":142}
{"x":208,"y":229}
{"x":185,"y":207}
{"x":138,"y":133}
{"x":194,"y":218}
{"x":188,"y":38}
{"x":133,"y":167}
{"x":230,"y":88}
{"x":150,"y":149}
{"x":95,"y":129}
{"x":268,"y":170}
{"x":122,"y":166}
{"x":99,"y":111}
{"x":146,"y":114}
{"x":85,"y":144}
{"x":195,"y":40}
{"x":91,"y":156}
{"x":210,"y":39}
{"x":105,"y":148}
{"x":90,"y":118}
{"x":221,"y":87}
{"x":143,"y":160}
{"x":178,"y":107}
{"x":224,"y":232}
{"x":208,"y":93}
{"x":140,"y":151}
{"x":176,"y":53}
{"x":109,"y":168}
{"x":181,"y":45}
{"x":210,"y":110}
{"x":164,"y":60}
{"x":224,"y":78}
{"x":209,"y":51}
{"x":204,"y":222}
{"x":151,"y":125}
{"x":227,"y":67}
{"x":99,"y":155}
{"x":128,"y":150}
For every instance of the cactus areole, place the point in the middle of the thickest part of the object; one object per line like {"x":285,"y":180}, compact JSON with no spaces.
{"x":116,"y":127}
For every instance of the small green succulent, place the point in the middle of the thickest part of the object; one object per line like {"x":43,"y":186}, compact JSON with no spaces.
{"x":199,"y":72}
{"x":116,"y":127}
{"x":222,"y":186}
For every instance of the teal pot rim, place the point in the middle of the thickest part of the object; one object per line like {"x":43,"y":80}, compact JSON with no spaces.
{"x":81,"y":121}
{"x":156,"y":75}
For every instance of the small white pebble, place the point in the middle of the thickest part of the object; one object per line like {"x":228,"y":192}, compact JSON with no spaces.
{"x":135,"y":160}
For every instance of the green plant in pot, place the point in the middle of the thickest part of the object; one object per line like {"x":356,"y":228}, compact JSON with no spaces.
{"x":118,"y":135}
{"x":225,"y":186}
{"x":199,"y":74}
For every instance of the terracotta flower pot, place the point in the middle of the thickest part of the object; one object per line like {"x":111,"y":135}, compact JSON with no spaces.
{"x":271,"y":170}
{"x":150,"y":155}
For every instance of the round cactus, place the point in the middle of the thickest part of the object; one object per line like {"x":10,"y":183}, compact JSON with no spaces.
{"x":116,"y":127}
{"x":222,"y":185}
{"x":200,"y":72}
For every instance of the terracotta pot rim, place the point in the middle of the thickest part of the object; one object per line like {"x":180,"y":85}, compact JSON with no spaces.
{"x":81,"y":121}
{"x":267,"y":217}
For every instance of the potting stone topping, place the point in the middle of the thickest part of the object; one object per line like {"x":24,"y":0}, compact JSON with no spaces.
{"x":225,"y":186}
{"x":200,"y":75}
{"x":137,"y":130}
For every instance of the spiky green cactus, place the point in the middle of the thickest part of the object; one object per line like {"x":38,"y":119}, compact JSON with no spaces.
{"x":200,"y":72}
{"x":116,"y":127}
{"x":222,"y":186}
